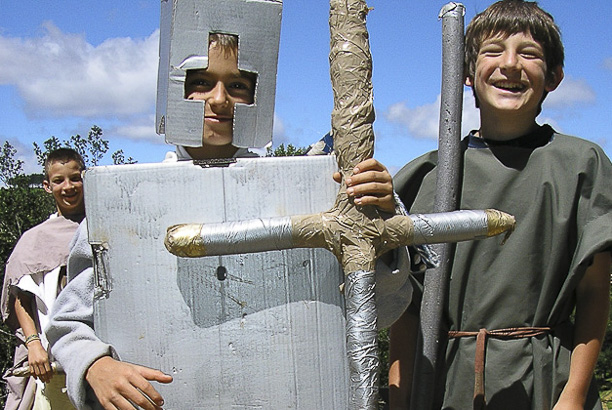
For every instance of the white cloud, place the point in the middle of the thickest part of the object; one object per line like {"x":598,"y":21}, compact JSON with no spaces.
{"x":420,"y":122}
{"x":61,"y":75}
{"x":423,"y":121}
{"x":571,"y":91}
{"x":279,"y":133}
{"x":140,"y":128}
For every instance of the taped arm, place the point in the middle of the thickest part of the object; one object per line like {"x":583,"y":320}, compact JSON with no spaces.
{"x":592,"y":310}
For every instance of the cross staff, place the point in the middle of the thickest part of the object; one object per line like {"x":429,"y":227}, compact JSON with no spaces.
{"x":356,"y":235}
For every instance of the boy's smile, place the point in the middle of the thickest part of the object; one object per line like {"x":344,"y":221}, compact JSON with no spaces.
{"x":510,"y":79}
{"x":220,"y":86}
{"x":66,"y":185}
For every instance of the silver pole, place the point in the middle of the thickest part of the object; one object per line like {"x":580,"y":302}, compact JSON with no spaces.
{"x":448,"y":181}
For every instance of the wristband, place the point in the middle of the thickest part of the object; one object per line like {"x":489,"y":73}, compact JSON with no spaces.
{"x":31,"y":338}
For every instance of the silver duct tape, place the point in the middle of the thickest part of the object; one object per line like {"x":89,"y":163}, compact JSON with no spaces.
{"x":450,"y":9}
{"x":256,"y":235}
{"x":450,"y":226}
{"x":361,"y":339}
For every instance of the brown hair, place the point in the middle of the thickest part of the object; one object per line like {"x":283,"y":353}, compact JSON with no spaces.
{"x":62,"y":155}
{"x":507,"y":17}
{"x":229,"y":42}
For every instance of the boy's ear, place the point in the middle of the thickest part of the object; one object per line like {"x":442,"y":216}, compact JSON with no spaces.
{"x":554,"y":79}
{"x":469,"y":81}
{"x":47,"y":186}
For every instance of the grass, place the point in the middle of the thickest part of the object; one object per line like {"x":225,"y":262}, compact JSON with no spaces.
{"x":606,"y":397}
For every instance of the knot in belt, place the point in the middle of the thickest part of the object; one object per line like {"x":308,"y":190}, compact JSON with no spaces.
{"x":481,"y":342}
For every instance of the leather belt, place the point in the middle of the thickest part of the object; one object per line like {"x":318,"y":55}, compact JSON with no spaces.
{"x":481,"y":343}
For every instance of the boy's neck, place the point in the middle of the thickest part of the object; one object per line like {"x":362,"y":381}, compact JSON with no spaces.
{"x":505,"y":128}
{"x":75,"y":217}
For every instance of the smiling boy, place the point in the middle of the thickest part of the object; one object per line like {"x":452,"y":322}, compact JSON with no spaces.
{"x":221,"y":86}
{"x":35,"y":273}
{"x":558,"y":259}
{"x":63,"y":180}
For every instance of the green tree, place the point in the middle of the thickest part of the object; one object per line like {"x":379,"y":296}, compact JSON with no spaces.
{"x":92,"y":148}
{"x":24,"y":204}
{"x":289,"y":151}
{"x":10,"y":167}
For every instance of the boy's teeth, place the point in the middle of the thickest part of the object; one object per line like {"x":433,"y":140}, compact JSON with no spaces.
{"x":509,"y":86}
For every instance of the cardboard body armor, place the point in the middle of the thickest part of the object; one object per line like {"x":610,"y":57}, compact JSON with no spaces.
{"x":256,"y":331}
{"x":264,"y":330}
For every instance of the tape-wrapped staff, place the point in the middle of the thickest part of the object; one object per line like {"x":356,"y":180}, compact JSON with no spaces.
{"x":356,"y":235}
{"x":261,"y":235}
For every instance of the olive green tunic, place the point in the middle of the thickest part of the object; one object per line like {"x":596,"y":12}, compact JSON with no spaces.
{"x":559,"y":188}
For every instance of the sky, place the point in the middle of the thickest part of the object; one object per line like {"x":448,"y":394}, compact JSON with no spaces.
{"x":67,"y":65}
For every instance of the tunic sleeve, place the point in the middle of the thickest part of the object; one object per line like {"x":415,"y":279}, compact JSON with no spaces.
{"x":593,"y":216}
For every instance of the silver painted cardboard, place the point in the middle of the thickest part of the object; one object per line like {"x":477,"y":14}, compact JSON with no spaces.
{"x":262,"y":330}
{"x":184,"y":29}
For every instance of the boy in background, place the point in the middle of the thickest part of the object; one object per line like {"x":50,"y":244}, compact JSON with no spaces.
{"x":35,"y":274}
{"x":557,"y":260}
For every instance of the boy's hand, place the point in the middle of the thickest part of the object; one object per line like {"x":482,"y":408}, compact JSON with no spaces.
{"x":120,"y":385}
{"x":370,"y":184}
{"x":38,"y":360}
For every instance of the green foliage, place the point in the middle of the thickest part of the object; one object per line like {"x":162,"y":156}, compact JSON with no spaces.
{"x":290,"y":151}
{"x":92,"y":148}
{"x":119,"y":158}
{"x":24,"y":204}
{"x":7,"y":348}
{"x":10,"y":167}
{"x":383,"y":356}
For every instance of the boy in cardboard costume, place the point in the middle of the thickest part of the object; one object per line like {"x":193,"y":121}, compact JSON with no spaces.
{"x":83,"y":356}
{"x":512,"y":304}
{"x":200,"y":85}
{"x":35,"y":273}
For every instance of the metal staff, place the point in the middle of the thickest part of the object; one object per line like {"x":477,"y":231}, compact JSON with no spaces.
{"x":447,"y":191}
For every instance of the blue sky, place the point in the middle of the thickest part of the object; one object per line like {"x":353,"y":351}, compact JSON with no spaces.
{"x":67,"y":65}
